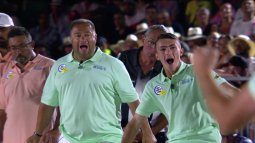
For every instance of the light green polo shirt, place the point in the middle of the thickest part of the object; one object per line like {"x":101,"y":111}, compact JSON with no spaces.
{"x":181,"y":101}
{"x":89,"y":96}
{"x":251,"y":85}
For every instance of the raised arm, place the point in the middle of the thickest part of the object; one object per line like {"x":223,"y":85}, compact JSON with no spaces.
{"x":230,"y":112}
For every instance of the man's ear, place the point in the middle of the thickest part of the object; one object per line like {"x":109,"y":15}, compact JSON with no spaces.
{"x":95,"y":36}
{"x":33,"y":44}
{"x":143,"y":38}
{"x":157,"y":56}
{"x":181,"y":51}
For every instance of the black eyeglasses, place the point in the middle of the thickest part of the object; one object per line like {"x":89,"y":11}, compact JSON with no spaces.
{"x":20,"y":47}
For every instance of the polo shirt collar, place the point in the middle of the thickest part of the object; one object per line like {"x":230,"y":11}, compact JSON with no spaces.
{"x":94,"y":58}
{"x":164,"y":78}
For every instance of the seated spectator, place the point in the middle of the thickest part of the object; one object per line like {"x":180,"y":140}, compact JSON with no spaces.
{"x":213,"y":40}
{"x":195,"y":37}
{"x":246,"y":25}
{"x":225,"y":19}
{"x":192,"y":7}
{"x":242,"y":46}
{"x":140,"y":30}
{"x":131,"y":42}
{"x":224,"y":53}
{"x":202,"y":20}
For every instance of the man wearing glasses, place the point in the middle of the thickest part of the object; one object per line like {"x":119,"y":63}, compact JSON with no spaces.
{"x":21,"y":87}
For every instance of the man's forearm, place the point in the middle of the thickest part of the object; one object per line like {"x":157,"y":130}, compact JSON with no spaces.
{"x":131,"y":131}
{"x":44,"y":117}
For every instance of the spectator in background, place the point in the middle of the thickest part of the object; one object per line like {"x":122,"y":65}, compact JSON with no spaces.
{"x":246,"y":25}
{"x":133,"y":16}
{"x":186,"y":57}
{"x":242,"y":46}
{"x":237,"y":66}
{"x":195,"y":38}
{"x":131,"y":42}
{"x":171,"y":7}
{"x":118,"y":47}
{"x":104,"y":46}
{"x":151,"y":15}
{"x":192,"y":8}
{"x":66,"y":47}
{"x":47,"y":35}
{"x":224,"y":53}
{"x":6,"y":24}
{"x":202,"y":20}
{"x":164,"y":18}
{"x":121,"y":30}
{"x":42,"y":50}
{"x":85,"y":8}
{"x":213,"y":40}
{"x":21,"y":88}
{"x":140,"y":30}
{"x":225,"y":21}
{"x":58,"y":18}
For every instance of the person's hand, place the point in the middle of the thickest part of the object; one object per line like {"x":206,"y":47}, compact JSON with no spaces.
{"x":149,"y":138}
{"x":33,"y":139}
{"x":138,"y":138}
{"x":205,"y":59}
{"x":50,"y":137}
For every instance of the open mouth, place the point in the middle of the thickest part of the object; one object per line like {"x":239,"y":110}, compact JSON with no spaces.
{"x":170,"y":60}
{"x":83,"y":46}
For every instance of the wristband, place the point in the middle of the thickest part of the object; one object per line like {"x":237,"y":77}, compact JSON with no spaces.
{"x":37,"y":134}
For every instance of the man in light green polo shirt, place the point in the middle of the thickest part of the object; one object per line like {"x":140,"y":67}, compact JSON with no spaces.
{"x":231,"y":113}
{"x":176,"y":94}
{"x":89,"y":87}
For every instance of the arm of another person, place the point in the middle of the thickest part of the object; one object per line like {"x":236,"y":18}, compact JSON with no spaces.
{"x":43,"y":119}
{"x":132,"y":128}
{"x":127,"y":93}
{"x":231,"y":113}
{"x":53,"y":135}
{"x":146,"y":130}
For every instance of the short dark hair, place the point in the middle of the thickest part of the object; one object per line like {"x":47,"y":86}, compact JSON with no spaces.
{"x":166,"y":36}
{"x":82,"y":21}
{"x":19,"y":31}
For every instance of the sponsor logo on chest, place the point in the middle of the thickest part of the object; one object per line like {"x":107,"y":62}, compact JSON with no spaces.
{"x":158,"y":90}
{"x":62,"y":68}
{"x":9,"y":75}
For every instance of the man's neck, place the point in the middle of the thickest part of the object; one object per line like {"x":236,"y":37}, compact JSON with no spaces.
{"x":170,"y":72}
{"x":147,"y":59}
{"x":248,"y":17}
{"x":22,"y":65}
